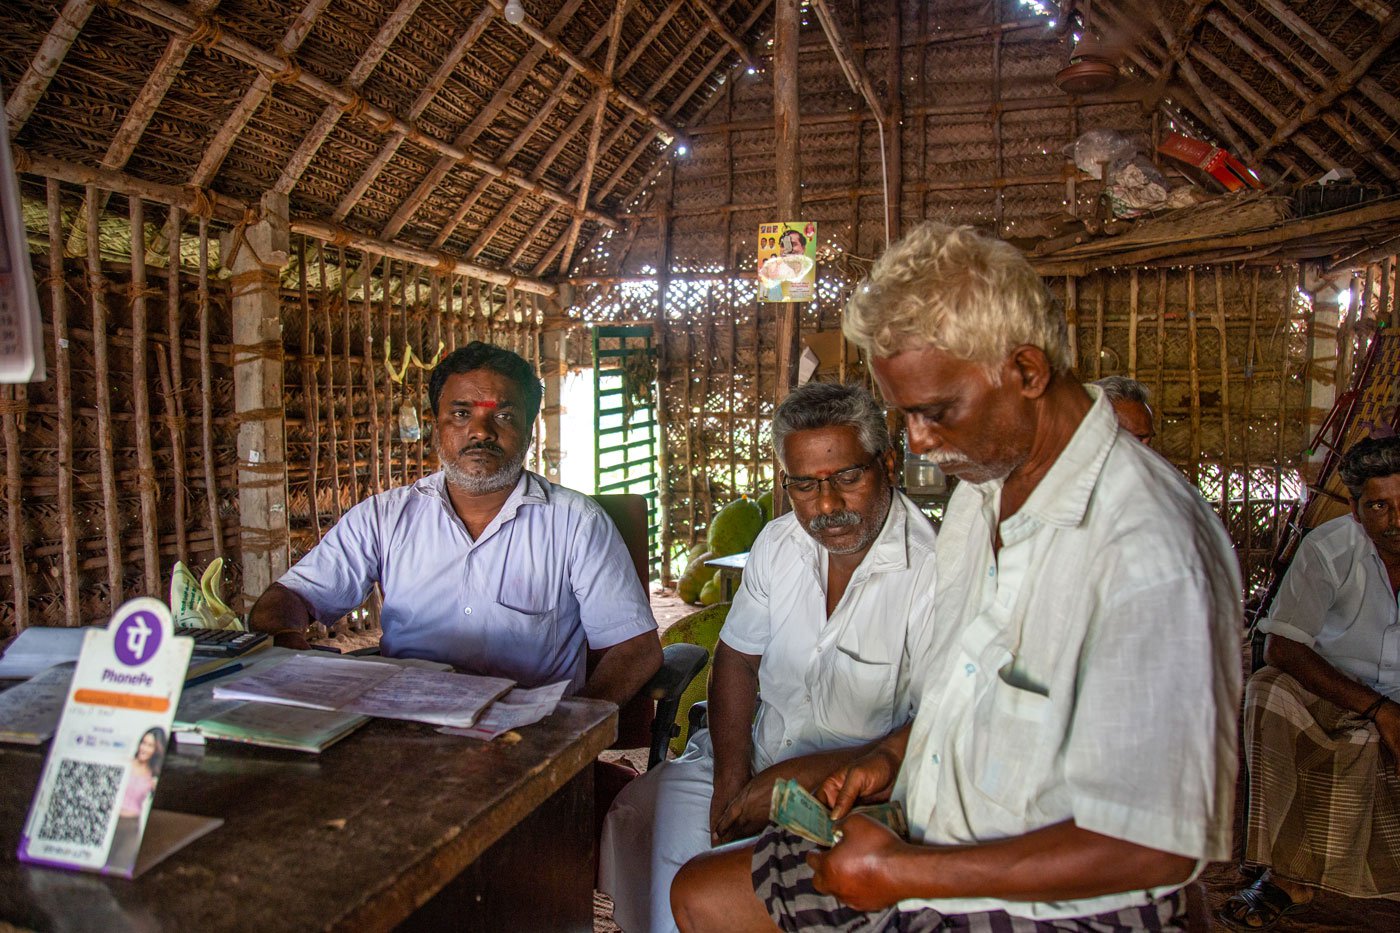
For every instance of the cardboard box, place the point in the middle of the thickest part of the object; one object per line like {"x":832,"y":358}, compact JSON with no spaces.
{"x":1213,"y":160}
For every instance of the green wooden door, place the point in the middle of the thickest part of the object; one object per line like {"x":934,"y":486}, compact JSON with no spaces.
{"x":624,"y":391}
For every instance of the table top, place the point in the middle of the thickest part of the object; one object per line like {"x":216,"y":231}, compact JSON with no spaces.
{"x":730,"y":561}
{"x":354,"y":838}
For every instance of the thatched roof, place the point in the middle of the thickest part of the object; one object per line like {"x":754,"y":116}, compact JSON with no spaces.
{"x":443,"y":126}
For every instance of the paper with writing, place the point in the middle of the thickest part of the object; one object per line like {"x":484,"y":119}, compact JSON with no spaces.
{"x":439,"y":697}
{"x":29,"y":712}
{"x":316,"y":681}
{"x":520,"y":707}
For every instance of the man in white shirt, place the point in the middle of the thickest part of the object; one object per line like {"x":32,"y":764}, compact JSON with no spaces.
{"x":1072,"y":756}
{"x":484,"y":565}
{"x":1324,"y":803}
{"x":1129,"y":400}
{"x":812,"y":657}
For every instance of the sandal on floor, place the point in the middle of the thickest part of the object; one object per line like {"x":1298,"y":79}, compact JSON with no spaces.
{"x":1263,"y":900}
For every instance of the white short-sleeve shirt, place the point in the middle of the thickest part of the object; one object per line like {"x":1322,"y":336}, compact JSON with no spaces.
{"x":1090,"y":670}
{"x":1336,"y":599}
{"x":548,"y":578}
{"x":832,"y":682}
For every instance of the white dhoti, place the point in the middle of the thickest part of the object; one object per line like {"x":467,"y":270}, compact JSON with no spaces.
{"x":659,"y":822}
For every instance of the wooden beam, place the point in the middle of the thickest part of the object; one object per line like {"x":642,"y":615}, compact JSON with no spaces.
{"x":218,"y":148}
{"x":787,"y":30}
{"x":425,"y":97}
{"x":1344,"y":83}
{"x":339,"y":236}
{"x":52,"y":50}
{"x":593,"y":75}
{"x":1176,"y":47}
{"x":942,"y":37}
{"x":175,"y":19}
{"x":1206,"y":95}
{"x":1285,"y":76}
{"x":718,"y":28}
{"x":330,"y":116}
{"x":478,"y":125}
{"x":850,"y":66}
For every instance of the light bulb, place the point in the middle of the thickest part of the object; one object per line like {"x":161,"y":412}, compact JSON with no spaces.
{"x":515,"y":13}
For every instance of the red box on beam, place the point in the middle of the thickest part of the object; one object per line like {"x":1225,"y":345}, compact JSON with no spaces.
{"x":1215,"y":161}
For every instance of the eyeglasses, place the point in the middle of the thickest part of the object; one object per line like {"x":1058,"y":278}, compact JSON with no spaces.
{"x":805,"y":488}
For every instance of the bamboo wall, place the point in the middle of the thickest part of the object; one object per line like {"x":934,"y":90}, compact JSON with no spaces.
{"x":984,"y":141}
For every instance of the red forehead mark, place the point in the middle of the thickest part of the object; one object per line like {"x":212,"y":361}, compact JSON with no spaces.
{"x":487,"y":404}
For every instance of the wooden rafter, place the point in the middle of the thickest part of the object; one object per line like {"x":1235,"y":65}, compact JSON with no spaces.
{"x":1221,"y":124}
{"x":652,"y":32}
{"x":175,"y":19}
{"x":219,"y":147}
{"x":429,"y":183}
{"x":229,"y":208}
{"x":1176,"y":48}
{"x":1370,"y":87}
{"x":330,"y":116}
{"x":1285,"y":76}
{"x":1344,"y":83}
{"x":593,"y":75}
{"x":718,"y":28}
{"x":425,"y":97}
{"x":851,"y":66}
{"x":32,"y":84}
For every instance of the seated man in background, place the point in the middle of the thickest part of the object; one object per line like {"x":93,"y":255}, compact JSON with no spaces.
{"x":1324,"y":801}
{"x":1129,"y":400}
{"x":812,"y":656}
{"x":1072,"y":758}
{"x":483,"y":565}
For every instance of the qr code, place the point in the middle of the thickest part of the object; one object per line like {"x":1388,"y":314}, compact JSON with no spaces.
{"x":81,"y":803}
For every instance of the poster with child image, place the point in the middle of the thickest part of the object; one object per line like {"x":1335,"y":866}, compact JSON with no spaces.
{"x":787,"y":261}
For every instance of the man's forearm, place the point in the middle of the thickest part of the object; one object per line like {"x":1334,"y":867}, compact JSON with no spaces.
{"x":733,"y":700}
{"x":1060,"y":862}
{"x":624,"y":669}
{"x":1309,"y":668}
{"x":279,"y":610}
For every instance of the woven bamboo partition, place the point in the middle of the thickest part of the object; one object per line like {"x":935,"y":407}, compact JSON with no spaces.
{"x":1223,"y":347}
{"x":125,"y":455}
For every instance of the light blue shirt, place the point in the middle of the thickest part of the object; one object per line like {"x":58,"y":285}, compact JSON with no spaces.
{"x":549,"y":578}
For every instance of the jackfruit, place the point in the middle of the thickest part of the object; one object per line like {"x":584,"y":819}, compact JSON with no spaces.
{"x":765,"y":502}
{"x":699,"y":628}
{"x":734,"y":527}
{"x":696,"y":575}
{"x":711,"y":593}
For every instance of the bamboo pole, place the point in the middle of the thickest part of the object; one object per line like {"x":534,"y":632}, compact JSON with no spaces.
{"x":173,"y":382}
{"x":310,"y":383}
{"x":332,"y":416}
{"x":423,"y":354}
{"x":63,"y":390}
{"x":349,"y":383}
{"x":141,"y":399}
{"x":786,"y":36}
{"x":206,"y":393}
{"x":1098,"y":324}
{"x":1161,"y":339}
{"x":389,"y":422}
{"x":1251,"y":350}
{"x":371,"y":378}
{"x":690,"y":464}
{"x":52,"y":50}
{"x":1227,"y":460}
{"x":97,"y":288}
{"x":1193,"y":363}
{"x":1133,"y":285}
{"x":15,"y":397}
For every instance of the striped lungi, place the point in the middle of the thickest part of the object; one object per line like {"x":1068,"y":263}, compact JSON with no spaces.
{"x":1324,"y":805}
{"x":782,"y":880}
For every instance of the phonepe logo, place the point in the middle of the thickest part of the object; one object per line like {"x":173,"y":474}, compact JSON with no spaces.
{"x":137,"y":638}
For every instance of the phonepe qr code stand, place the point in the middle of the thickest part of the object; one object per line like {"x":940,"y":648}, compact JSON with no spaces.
{"x":93,"y":803}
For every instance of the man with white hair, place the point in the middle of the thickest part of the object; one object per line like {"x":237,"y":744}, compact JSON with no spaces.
{"x":1071,"y":763}
{"x":813,"y":656}
{"x":1129,"y":400}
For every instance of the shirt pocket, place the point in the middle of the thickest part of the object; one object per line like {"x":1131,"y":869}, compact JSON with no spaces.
{"x":1011,"y":743}
{"x":853,"y":696}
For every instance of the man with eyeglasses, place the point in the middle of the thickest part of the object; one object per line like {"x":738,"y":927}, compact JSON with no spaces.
{"x":1071,"y":762}
{"x":813,"y":657}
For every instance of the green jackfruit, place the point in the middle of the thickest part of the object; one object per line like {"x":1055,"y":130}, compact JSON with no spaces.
{"x":735,"y":526}
{"x":711,"y":593}
{"x":765,"y":502}
{"x":700,"y":628}
{"x":696,"y":576}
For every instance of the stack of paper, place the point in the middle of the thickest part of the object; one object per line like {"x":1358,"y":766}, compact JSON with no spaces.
{"x":518,"y":708}
{"x":368,"y":688}
{"x":29,"y":713}
{"x":38,"y":649}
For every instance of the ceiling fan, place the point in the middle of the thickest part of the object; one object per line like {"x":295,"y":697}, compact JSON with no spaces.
{"x":1093,"y":63}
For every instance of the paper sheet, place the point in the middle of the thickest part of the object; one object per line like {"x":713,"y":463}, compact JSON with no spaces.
{"x":29,"y":712}
{"x":520,"y":707}
{"x":316,"y":681}
{"x":39,"y":648}
{"x":443,"y":698}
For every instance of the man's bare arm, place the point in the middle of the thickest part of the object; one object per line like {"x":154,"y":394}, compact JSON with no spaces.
{"x":733,"y":699}
{"x":871,"y":868}
{"x":624,"y":669}
{"x":284,"y":614}
{"x":1309,"y":668}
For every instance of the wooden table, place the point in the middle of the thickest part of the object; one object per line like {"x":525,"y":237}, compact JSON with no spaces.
{"x":394,"y":825}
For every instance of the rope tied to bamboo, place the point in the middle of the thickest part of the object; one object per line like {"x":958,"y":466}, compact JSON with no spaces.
{"x":134,"y":291}
{"x":146,"y":480}
{"x":386,"y":126}
{"x":206,"y":34}
{"x":290,"y":73}
{"x":21,"y":160}
{"x":17,"y":407}
{"x":355,"y":106}
{"x":253,"y":352}
{"x":202,"y":202}
{"x":262,"y":540}
{"x":177,"y":422}
{"x":445,"y":265}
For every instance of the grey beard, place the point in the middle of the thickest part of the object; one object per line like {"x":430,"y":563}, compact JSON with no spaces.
{"x":842,"y":519}
{"x":507,"y":475}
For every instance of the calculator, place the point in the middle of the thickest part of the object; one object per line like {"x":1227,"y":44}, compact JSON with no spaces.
{"x":225,"y":643}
